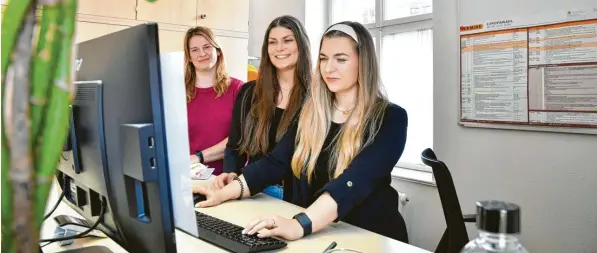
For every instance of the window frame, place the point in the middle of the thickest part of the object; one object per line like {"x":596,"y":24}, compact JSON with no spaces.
{"x":379,"y":29}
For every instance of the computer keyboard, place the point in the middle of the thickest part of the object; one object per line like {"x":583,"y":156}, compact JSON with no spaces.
{"x":229,"y":236}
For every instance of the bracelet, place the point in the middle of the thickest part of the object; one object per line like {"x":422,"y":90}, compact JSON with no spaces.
{"x":242,"y":188}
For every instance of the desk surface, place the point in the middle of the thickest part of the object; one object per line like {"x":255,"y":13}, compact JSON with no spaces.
{"x":344,"y":234}
{"x":240,"y":212}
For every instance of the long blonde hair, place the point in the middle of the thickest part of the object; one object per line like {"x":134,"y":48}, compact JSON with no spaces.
{"x":361,"y":126}
{"x":222,"y":78}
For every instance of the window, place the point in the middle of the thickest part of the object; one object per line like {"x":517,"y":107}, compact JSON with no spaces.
{"x":393,"y":9}
{"x":354,"y":10}
{"x":407,"y":73}
{"x":403,"y":37}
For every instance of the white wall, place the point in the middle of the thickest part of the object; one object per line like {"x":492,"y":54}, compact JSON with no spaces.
{"x":553,"y":177}
{"x":316,"y":21}
{"x":262,"y":12}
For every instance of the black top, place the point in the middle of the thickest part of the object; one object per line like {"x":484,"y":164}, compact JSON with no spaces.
{"x":233,"y":161}
{"x":323,"y":174}
{"x":363,"y":192}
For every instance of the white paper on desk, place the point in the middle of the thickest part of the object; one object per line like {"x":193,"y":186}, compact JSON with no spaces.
{"x":201,"y":174}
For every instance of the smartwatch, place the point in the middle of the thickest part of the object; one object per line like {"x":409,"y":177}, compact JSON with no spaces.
{"x":200,"y":155}
{"x":305,"y":222}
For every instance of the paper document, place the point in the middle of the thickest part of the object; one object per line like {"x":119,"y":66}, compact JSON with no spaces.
{"x":494,"y":76}
{"x":200,"y":172}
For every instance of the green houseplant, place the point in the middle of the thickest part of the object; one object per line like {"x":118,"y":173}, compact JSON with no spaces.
{"x":37,"y":75}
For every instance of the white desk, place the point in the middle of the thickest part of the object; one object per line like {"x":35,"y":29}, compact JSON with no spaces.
{"x":240,"y":212}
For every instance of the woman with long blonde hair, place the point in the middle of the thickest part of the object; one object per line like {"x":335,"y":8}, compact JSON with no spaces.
{"x":341,"y":152}
{"x":210,"y":97}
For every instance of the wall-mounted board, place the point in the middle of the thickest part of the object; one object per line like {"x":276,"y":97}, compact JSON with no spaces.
{"x":529,"y":65}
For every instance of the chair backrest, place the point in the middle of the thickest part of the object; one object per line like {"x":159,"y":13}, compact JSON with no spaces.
{"x":455,"y":236}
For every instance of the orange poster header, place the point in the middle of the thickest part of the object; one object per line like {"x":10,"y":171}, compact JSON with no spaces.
{"x":493,"y":33}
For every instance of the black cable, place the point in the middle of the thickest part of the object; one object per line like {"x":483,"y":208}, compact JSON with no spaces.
{"x":55,"y":206}
{"x":54,"y":242}
{"x":99,"y":220}
{"x":64,"y":178}
{"x":46,"y":244}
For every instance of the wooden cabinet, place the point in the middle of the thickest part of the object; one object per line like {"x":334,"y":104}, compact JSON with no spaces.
{"x":179,"y":12}
{"x":236,"y":55}
{"x":110,"y":8}
{"x":171,"y":41}
{"x":229,"y":18}
{"x":227,"y":15}
{"x":87,"y":31}
{"x":231,"y":15}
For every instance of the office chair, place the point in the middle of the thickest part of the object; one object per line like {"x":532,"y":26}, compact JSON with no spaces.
{"x":455,"y":235}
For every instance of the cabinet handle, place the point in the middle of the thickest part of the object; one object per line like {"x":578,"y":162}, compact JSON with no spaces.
{"x":202,"y":16}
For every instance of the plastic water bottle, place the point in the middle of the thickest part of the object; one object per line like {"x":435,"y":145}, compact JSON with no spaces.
{"x":498,"y":223}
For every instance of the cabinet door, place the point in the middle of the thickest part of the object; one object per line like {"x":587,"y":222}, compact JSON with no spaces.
{"x":231,"y":15}
{"x":236,"y":55}
{"x":109,"y":8}
{"x":171,"y":41}
{"x":178,"y":12}
{"x":87,"y":31}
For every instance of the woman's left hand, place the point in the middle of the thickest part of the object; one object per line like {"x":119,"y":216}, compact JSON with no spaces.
{"x":275,"y":225}
{"x":212,"y":197}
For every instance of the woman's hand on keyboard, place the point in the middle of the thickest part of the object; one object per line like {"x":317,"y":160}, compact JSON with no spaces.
{"x":212,"y":197}
{"x":222,"y":180}
{"x":274,"y":225}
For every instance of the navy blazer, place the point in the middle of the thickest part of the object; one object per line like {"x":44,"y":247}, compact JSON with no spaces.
{"x":363,"y":192}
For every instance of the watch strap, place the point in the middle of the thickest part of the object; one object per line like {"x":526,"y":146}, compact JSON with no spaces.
{"x":200,"y":155}
{"x":305,"y":222}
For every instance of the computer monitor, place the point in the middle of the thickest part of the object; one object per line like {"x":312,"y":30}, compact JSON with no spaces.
{"x":175,"y":108}
{"x":118,"y":141}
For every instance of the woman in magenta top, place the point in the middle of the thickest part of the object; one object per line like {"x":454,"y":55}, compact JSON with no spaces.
{"x":210,"y":98}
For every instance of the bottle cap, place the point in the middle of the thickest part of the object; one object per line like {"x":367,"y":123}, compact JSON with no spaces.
{"x":498,"y":217}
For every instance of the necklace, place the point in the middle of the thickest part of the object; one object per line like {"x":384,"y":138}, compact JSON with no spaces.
{"x":343,"y":111}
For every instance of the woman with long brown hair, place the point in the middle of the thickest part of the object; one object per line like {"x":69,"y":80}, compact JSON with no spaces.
{"x":341,"y":152}
{"x":266,"y":107}
{"x":210,"y":97}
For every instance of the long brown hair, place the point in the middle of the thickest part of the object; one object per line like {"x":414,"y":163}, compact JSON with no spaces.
{"x":362,"y":124}
{"x":256,"y":124}
{"x":222,"y":78}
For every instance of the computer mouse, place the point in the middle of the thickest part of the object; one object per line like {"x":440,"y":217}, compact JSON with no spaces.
{"x":197,"y":197}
